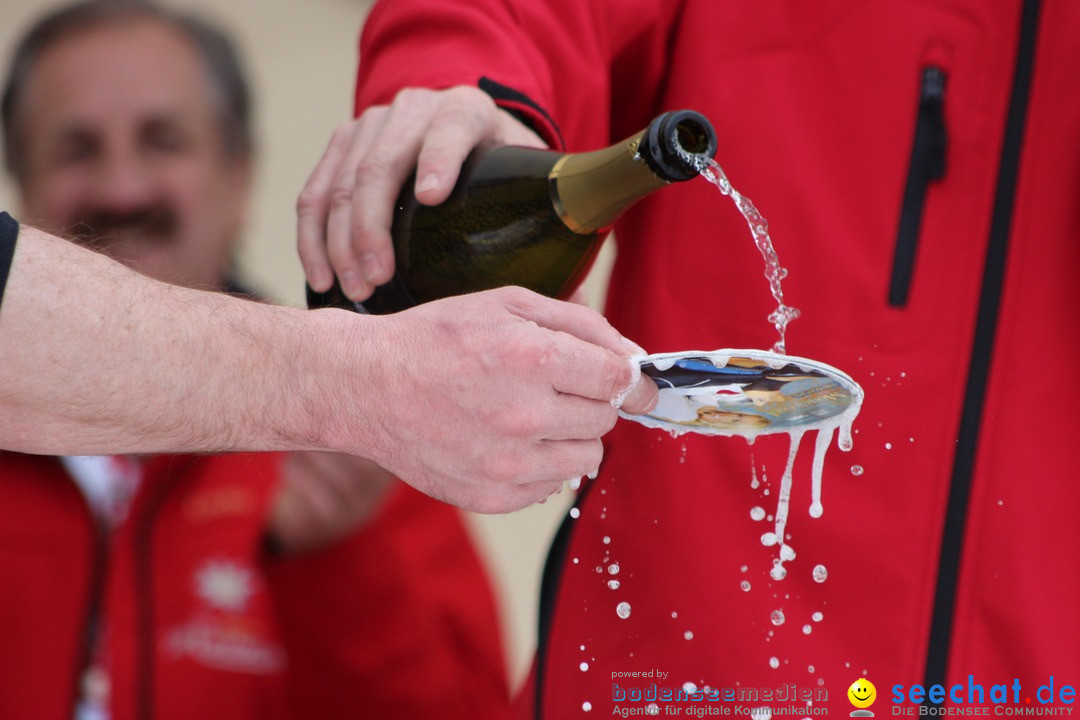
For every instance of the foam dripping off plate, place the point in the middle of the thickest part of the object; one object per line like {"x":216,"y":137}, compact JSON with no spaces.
{"x":747,"y":393}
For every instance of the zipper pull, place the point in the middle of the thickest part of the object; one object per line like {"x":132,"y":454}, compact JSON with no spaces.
{"x":931,"y":103}
{"x":927,"y":165}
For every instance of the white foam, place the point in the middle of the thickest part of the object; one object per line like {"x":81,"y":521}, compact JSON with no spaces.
{"x":635,"y":378}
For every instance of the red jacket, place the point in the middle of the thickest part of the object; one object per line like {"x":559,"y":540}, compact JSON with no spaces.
{"x":201,"y":623}
{"x":954,"y":553}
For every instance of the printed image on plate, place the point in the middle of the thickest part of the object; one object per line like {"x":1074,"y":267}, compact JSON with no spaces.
{"x":746,"y":392}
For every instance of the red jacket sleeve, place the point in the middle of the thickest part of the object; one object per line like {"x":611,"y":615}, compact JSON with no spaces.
{"x":570,"y":58}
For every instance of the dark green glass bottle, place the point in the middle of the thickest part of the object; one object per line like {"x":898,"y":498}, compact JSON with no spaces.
{"x":529,"y":217}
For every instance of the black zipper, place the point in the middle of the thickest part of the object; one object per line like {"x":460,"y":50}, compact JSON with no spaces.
{"x":93,"y":625}
{"x":554,"y":566}
{"x":145,"y":632}
{"x":982,"y":348}
{"x":144,"y":619}
{"x":927,"y":165}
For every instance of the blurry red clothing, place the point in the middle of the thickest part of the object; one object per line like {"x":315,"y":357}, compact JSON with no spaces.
{"x":200,"y":622}
{"x":918,"y":163}
{"x":397,"y":622}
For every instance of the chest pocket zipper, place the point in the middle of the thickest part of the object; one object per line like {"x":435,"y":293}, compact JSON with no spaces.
{"x":927,"y":165}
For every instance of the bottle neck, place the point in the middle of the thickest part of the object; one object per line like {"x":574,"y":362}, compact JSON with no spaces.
{"x":591,"y":190}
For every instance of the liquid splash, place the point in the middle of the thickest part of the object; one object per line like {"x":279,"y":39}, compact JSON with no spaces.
{"x":759,"y":228}
{"x":780,"y":318}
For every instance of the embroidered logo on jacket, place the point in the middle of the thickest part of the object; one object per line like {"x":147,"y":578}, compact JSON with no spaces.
{"x":226,"y":630}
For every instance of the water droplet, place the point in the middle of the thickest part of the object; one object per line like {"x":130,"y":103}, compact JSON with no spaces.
{"x":607,"y":540}
{"x":774,"y":662}
{"x":761,"y":713}
{"x":613,"y":568}
{"x":745,"y":585}
{"x":689,"y":635}
{"x":856,"y":470}
{"x":777,"y":617}
{"x":575,"y":513}
{"x":613,"y":584}
{"x":810,"y":669}
{"x":807,"y":629}
{"x":817,"y":617}
{"x":744,"y":568}
{"x":623,"y":610}
{"x":757,"y":513}
{"x":582,"y":648}
{"x":888,"y":446}
{"x":584,"y":666}
{"x":689,"y":688}
{"x":768,"y":539}
{"x":652,"y":709}
{"x":586,"y":706}
{"x":820,"y":573}
{"x":778,"y":572}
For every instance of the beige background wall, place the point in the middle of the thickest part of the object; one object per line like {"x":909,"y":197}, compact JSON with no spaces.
{"x":301,"y":56}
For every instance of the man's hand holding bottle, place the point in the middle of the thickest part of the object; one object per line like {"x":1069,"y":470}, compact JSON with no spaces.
{"x":346,"y":206}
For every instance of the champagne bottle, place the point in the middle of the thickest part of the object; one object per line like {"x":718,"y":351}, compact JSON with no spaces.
{"x":529,"y":217}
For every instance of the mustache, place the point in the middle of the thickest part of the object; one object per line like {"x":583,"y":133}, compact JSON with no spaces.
{"x":99,"y":228}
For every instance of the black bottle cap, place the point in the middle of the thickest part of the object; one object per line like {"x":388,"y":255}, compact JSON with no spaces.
{"x":678,"y":144}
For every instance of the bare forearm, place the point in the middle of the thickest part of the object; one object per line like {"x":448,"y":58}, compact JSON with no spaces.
{"x":99,"y":359}
{"x":488,"y":401}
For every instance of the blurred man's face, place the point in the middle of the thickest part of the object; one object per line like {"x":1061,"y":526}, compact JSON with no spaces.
{"x":124,"y":153}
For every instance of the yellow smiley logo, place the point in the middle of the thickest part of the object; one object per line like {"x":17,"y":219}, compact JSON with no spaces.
{"x":862,"y":693}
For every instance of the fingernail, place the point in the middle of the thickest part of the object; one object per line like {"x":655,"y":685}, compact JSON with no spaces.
{"x":651,"y":406}
{"x":427,"y":183}
{"x":635,"y":378}
{"x":633,"y":347}
{"x":320,"y":280}
{"x":371,"y":267}
{"x":350,"y":284}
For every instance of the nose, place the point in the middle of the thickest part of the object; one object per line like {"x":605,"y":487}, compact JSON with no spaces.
{"x":123,"y":181}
